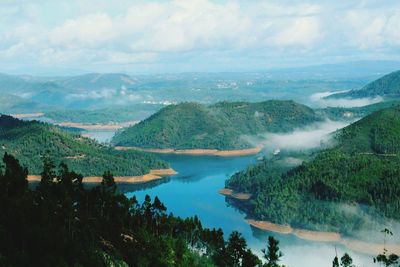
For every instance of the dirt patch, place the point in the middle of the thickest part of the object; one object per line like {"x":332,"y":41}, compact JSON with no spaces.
{"x":152,"y":175}
{"x":237,"y":195}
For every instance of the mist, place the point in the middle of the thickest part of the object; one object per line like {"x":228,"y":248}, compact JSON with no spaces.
{"x":320,"y":100}
{"x":309,"y":137}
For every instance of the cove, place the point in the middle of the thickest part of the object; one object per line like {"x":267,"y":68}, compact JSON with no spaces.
{"x":194,"y":191}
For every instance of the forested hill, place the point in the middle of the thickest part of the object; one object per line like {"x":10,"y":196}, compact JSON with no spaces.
{"x":387,"y":86}
{"x":31,"y":141}
{"x":363,"y":168}
{"x":219,"y":126}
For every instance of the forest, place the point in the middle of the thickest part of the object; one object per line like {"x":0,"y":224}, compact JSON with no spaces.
{"x":361,"y":170}
{"x":61,"y":223}
{"x":219,"y":126}
{"x":31,"y":141}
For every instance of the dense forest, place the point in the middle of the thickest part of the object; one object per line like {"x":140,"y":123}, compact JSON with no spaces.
{"x":387,"y":86}
{"x":219,"y":126}
{"x":61,"y":223}
{"x":362,"y":170}
{"x":31,"y":141}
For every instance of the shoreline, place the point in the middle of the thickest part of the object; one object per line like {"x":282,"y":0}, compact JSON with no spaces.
{"x":196,"y":152}
{"x":365,"y":247}
{"x":236,"y":195}
{"x":97,"y":126}
{"x":154,"y":174}
{"x":27,"y":115}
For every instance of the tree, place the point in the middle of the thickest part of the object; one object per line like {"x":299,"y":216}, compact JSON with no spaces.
{"x":335,"y":262}
{"x":346,"y":261}
{"x":387,"y":260}
{"x":272,"y":255}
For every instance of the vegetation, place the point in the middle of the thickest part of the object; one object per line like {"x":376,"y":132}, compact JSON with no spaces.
{"x":105,"y":115}
{"x":386,"y":86}
{"x":220,"y":126}
{"x":363,"y":168}
{"x":63,"y":224}
{"x":31,"y":141}
{"x":350,"y":114}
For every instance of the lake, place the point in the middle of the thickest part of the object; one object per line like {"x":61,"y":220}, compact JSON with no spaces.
{"x":194,"y":191}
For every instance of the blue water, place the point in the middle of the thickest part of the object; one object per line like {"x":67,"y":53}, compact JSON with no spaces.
{"x":194,"y":191}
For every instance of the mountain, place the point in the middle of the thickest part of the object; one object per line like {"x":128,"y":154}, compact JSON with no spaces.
{"x":387,"y":86}
{"x":361,"y":172}
{"x":220,"y":126}
{"x":97,"y":81}
{"x":350,"y":114}
{"x":31,"y":141}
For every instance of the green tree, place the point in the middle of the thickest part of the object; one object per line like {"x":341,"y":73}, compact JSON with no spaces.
{"x":272,"y":254}
{"x":346,"y":261}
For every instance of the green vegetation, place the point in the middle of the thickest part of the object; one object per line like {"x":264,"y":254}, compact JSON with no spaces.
{"x":105,"y":115}
{"x":360,"y":171}
{"x":387,"y":86}
{"x":220,"y":126}
{"x":63,"y":224}
{"x":350,"y":114}
{"x":31,"y":141}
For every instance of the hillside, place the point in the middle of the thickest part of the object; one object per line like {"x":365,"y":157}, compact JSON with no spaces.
{"x":350,"y":114}
{"x":363,"y":167}
{"x":220,"y":126}
{"x":31,"y":141}
{"x":387,"y":86}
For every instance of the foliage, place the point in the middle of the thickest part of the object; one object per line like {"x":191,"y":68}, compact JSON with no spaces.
{"x":31,"y":141}
{"x":219,"y":126}
{"x":361,"y":170}
{"x":388,"y":86}
{"x":63,"y":224}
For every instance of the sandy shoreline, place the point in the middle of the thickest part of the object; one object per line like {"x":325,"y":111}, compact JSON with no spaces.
{"x":27,"y":115}
{"x":151,"y":176}
{"x":97,"y":126}
{"x":197,"y":152}
{"x":355,"y":245}
{"x":237,"y":195}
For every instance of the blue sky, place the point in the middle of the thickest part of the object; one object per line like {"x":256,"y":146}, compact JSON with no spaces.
{"x":193,"y":35}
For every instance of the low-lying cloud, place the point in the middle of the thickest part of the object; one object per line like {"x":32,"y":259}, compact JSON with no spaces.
{"x":320,"y":100}
{"x":309,"y":137}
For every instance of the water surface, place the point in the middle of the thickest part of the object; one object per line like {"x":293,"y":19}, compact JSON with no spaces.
{"x":194,"y":191}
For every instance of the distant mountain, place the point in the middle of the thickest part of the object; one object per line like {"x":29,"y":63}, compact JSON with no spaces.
{"x":220,"y":126}
{"x":387,"y":86}
{"x":362,"y":168}
{"x":98,"y":81}
{"x":31,"y":141}
{"x":350,"y":114}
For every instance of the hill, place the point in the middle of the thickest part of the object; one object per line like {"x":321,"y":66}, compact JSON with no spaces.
{"x":350,"y":114}
{"x":31,"y":141}
{"x":219,"y":126}
{"x":387,"y":86}
{"x":361,"y":171}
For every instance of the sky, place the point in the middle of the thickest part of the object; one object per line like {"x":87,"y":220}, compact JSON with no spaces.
{"x":193,"y":35}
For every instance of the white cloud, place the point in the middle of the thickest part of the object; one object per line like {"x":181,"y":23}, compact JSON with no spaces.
{"x":321,"y":101}
{"x":304,"y":31}
{"x":91,"y":30}
{"x":127,"y":32}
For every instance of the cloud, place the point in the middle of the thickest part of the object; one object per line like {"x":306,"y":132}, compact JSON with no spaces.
{"x":303,"y":31}
{"x":244,"y":34}
{"x":321,"y":100}
{"x":91,"y":30}
{"x":303,"y":138}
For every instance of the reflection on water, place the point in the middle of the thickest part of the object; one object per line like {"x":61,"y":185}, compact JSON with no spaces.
{"x":194,"y":191}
